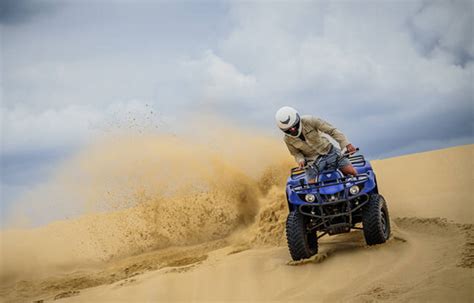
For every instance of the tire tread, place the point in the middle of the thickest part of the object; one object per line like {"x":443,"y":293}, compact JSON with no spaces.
{"x":373,"y":231}
{"x":295,"y":235}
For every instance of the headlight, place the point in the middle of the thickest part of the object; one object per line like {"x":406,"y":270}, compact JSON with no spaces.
{"x":310,"y":198}
{"x":354,"y":190}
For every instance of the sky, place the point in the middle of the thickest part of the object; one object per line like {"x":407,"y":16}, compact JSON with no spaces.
{"x":394,"y":76}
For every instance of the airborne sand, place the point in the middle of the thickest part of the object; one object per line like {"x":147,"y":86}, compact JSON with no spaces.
{"x":224,"y":240}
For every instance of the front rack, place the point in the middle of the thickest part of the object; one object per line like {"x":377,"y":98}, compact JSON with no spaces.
{"x":358,"y":160}
{"x":339,"y":181}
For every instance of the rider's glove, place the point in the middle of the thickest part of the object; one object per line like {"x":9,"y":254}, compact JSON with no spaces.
{"x":301,"y":164}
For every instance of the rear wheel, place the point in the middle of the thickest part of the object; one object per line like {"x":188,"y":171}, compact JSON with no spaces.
{"x":376,"y":221}
{"x":301,"y":243}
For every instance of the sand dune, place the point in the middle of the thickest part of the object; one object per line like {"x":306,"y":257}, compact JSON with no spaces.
{"x":429,"y":257}
{"x":423,"y":265}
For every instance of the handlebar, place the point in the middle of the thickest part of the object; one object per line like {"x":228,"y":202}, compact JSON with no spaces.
{"x":347,"y":154}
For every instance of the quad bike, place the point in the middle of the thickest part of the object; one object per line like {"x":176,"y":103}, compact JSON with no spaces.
{"x":334,"y":205}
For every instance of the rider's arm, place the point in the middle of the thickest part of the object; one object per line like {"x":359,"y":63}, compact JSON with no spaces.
{"x":327,"y":128}
{"x":299,"y":157}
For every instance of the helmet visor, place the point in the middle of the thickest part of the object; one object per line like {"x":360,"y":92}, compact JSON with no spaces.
{"x":293,"y":131}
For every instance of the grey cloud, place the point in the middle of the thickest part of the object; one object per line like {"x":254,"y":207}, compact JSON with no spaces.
{"x":392,"y":136}
{"x":19,"y":11}
{"x":445,"y":27}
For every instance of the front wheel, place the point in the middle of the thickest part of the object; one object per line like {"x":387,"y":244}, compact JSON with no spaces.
{"x":301,"y":243}
{"x":376,"y":221}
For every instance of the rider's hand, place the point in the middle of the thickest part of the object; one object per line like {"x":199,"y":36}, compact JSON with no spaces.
{"x":301,"y":164}
{"x":350,"y":148}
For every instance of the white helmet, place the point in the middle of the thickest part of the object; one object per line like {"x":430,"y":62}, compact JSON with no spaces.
{"x":288,"y":120}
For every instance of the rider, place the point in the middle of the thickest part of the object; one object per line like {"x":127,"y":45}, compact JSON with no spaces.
{"x":305,"y":142}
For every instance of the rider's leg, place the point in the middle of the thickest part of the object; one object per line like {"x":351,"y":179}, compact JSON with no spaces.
{"x":348,"y":170}
{"x":311,"y":175}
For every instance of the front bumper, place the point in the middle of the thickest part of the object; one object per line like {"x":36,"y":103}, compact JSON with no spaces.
{"x":308,"y":208}
{"x":334,"y":210}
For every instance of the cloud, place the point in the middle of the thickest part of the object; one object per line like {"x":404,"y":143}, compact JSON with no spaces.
{"x":216,"y":81}
{"x":444,"y":29}
{"x":13,"y":12}
{"x":49,"y":129}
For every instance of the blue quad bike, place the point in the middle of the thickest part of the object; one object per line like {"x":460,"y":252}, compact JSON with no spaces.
{"x":334,"y":204}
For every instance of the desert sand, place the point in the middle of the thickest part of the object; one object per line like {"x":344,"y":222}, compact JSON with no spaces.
{"x":224,"y":240}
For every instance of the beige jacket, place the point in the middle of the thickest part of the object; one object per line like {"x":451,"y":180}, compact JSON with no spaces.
{"x":315,"y":144}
